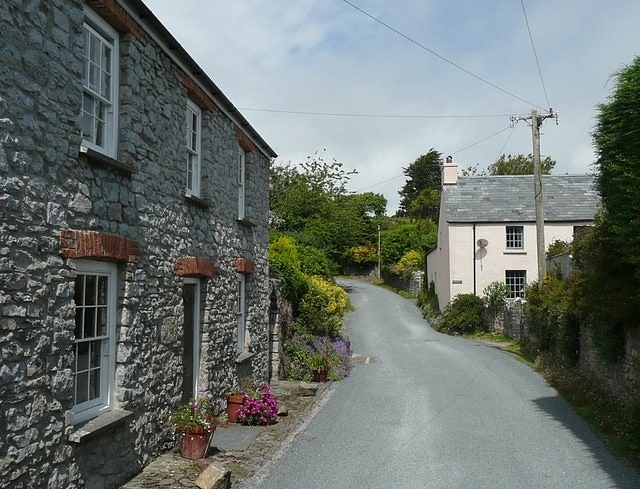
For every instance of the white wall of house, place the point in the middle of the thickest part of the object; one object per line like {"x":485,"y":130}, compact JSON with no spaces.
{"x":459,"y":266}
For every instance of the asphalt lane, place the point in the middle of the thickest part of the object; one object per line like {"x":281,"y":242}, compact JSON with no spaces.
{"x":425,"y":410}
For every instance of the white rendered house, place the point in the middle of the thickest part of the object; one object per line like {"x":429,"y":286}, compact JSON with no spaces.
{"x":487,"y":228}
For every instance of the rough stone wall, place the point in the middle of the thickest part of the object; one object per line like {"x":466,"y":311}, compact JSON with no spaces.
{"x":621,"y":380}
{"x":46,"y":187}
{"x":415,"y":282}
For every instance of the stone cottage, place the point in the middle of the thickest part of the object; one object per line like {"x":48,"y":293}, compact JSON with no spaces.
{"x":133,"y":236}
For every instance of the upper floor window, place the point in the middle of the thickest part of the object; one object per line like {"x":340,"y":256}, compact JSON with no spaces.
{"x":94,"y":344}
{"x":100,"y":85}
{"x":515,"y":237}
{"x":194,"y":136}
{"x":516,"y":280}
{"x":242,"y":158}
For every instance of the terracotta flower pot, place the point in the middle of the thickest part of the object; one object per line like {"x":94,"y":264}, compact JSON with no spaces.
{"x":234,"y":402}
{"x":194,"y":445}
{"x":319,"y":375}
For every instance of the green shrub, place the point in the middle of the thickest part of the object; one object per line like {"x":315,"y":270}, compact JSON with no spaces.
{"x":411,"y":261}
{"x":495,"y":294}
{"x":322,"y":308}
{"x":428,"y":301}
{"x":551,"y":316}
{"x":463,"y":315}
{"x":313,"y":261}
{"x":293,"y":281}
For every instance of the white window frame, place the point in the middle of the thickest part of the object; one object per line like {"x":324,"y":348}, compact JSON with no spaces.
{"x":101,"y":139}
{"x":90,"y":408}
{"x":514,"y":237}
{"x":242,"y":313}
{"x":196,"y":333}
{"x":242,"y":163}
{"x":193,"y":146}
{"x":516,"y":282}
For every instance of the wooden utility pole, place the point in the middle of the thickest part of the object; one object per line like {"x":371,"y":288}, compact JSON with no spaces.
{"x":536,"y":122}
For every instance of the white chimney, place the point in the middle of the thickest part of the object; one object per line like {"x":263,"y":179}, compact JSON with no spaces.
{"x":449,"y":172}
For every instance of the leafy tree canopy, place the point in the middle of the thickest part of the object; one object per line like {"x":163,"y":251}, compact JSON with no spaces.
{"x":310,"y":202}
{"x":420,"y":196}
{"x":520,"y":165}
{"x":617,"y":141}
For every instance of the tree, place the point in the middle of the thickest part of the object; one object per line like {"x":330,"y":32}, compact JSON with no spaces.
{"x":310,"y":202}
{"x":609,"y":253}
{"x":617,"y":141}
{"x":520,"y":165}
{"x":420,"y":196}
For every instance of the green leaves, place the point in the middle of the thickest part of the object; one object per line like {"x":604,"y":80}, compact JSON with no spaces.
{"x":520,"y":165}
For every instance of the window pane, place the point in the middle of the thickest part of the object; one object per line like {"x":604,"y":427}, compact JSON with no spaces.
{"x":102,"y":290}
{"x":79,"y":290}
{"x":90,"y":290}
{"x":94,"y":384}
{"x":89,"y":322}
{"x":79,"y":317}
{"x":106,"y":87}
{"x":101,"y":326}
{"x":96,"y":350}
{"x":82,"y":388}
{"x":82,"y":356}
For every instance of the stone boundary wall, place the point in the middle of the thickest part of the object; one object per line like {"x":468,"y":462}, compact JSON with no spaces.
{"x":620,"y":380}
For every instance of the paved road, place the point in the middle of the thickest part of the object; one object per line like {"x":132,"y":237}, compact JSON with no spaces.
{"x":432,"y":411}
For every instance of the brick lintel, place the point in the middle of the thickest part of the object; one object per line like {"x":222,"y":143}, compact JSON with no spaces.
{"x":98,"y":245}
{"x":243,"y":265}
{"x":192,"y":266}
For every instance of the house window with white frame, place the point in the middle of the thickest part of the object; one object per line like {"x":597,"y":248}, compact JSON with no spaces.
{"x":94,"y":344}
{"x":242,"y":158}
{"x":515,"y":237}
{"x":99,"y":85}
{"x":516,"y":281}
{"x":194,"y":136}
{"x":242,"y":314}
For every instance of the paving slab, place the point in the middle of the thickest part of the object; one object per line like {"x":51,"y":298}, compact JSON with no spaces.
{"x":234,"y":437}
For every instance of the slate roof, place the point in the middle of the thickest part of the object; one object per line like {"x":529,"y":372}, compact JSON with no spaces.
{"x":510,"y":198}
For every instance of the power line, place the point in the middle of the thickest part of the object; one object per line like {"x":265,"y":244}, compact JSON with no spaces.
{"x":454,"y":152}
{"x":380,"y":116}
{"x":535,"y":54}
{"x":513,"y":128}
{"x":482,"y":140}
{"x":443,"y":58}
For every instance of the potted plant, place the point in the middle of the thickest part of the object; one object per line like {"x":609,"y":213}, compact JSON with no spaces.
{"x":236,"y":397}
{"x":194,"y":421}
{"x":320,"y":364}
{"x":234,"y":402}
{"x":260,"y":407}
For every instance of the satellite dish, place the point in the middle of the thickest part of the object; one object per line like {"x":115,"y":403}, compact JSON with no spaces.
{"x":482,"y":243}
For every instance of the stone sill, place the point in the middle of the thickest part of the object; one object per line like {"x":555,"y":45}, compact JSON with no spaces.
{"x":194,"y":199}
{"x":243,"y":356}
{"x":246,"y":222}
{"x":100,"y":159}
{"x":514,"y":252}
{"x":100,"y":424}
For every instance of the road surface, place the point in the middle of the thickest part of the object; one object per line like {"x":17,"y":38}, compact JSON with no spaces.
{"x":426,"y":410}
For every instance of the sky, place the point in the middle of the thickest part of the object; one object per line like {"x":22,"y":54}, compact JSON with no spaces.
{"x":375,"y":84}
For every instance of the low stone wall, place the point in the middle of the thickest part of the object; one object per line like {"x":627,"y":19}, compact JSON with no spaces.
{"x":620,"y":380}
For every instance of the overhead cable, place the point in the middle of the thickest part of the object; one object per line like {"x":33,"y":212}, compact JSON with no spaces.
{"x":535,"y":54}
{"x":380,"y":116}
{"x":443,"y":58}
